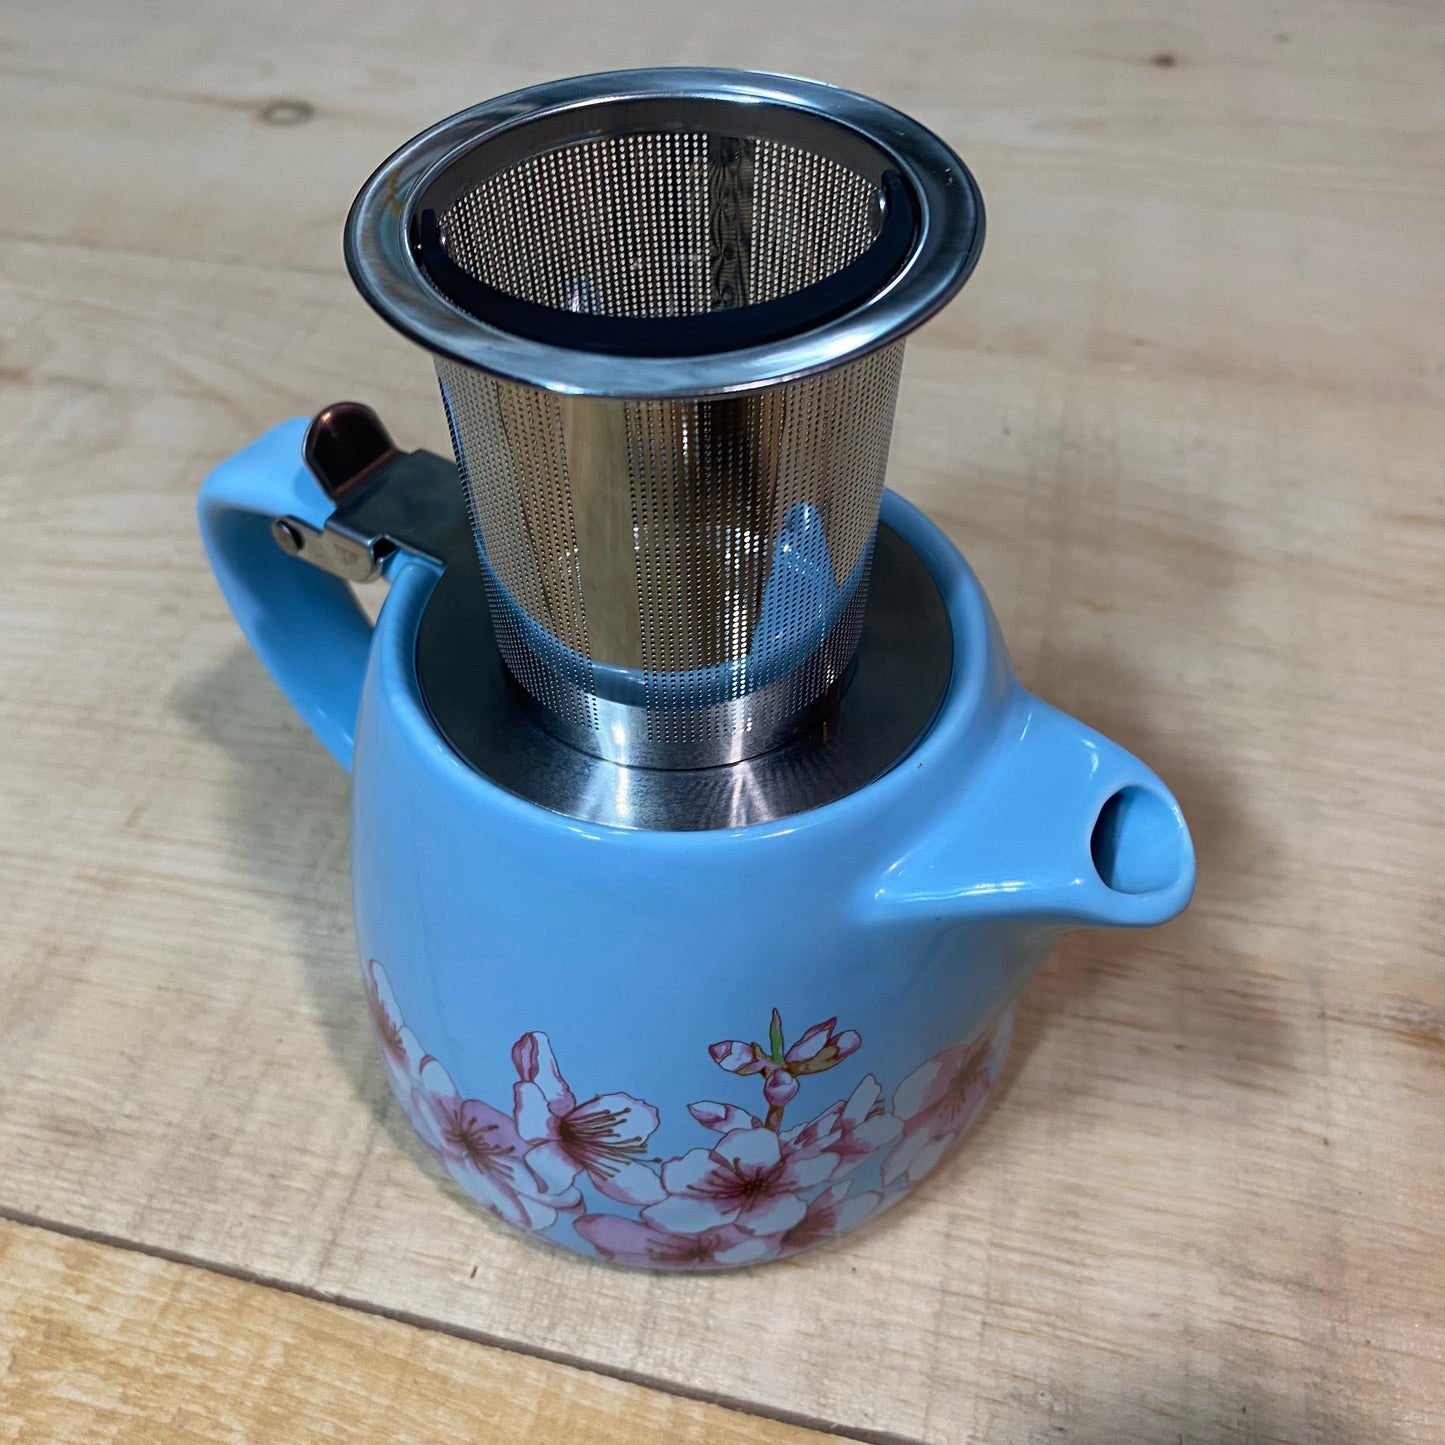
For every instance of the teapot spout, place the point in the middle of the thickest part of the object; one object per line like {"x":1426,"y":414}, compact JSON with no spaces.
{"x":1058,"y":827}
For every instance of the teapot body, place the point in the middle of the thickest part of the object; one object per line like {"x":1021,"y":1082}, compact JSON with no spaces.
{"x":713,"y":1048}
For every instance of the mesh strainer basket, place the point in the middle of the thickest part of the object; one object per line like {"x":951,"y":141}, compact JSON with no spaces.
{"x":667,"y":310}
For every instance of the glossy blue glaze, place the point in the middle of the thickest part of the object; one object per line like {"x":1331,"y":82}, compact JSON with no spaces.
{"x":305,"y":625}
{"x":912,"y":912}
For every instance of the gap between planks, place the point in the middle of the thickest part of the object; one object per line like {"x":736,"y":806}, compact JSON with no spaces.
{"x":655,"y":1384}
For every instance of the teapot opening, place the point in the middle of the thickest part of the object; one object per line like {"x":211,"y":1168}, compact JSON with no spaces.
{"x":1139,"y":844}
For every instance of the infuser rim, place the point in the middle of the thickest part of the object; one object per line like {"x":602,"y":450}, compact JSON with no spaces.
{"x":946,"y":243}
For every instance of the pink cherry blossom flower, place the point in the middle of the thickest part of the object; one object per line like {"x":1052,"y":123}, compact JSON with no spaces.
{"x":936,"y":1103}
{"x":400,"y":1050}
{"x":604,"y":1137}
{"x":723,"y":1118}
{"x":748,"y":1178}
{"x":737,"y":1057}
{"x":852,"y":1130}
{"x":632,"y":1241}
{"x":482,"y":1151}
{"x":821,"y":1048}
{"x":780,"y":1088}
{"x":830,"y":1213}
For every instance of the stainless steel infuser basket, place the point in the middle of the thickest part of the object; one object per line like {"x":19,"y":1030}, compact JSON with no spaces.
{"x":667,"y":311}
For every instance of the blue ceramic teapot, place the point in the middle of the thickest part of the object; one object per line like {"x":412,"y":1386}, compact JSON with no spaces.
{"x":703,"y":840}
{"x":705,"y":1047}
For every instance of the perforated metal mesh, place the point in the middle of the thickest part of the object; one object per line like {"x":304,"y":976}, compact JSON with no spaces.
{"x":704,"y":562}
{"x":672,"y":582}
{"x":662,"y":224}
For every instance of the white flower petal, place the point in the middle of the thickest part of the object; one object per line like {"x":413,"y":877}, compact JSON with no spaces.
{"x":427,"y":1119}
{"x":723,"y":1118}
{"x":632,"y":1183}
{"x":534,"y":1118}
{"x":747,"y":1250}
{"x":804,"y":1171}
{"x":913,"y":1094}
{"x":549,"y":1076}
{"x":882,"y":1129}
{"x":685,"y":1215}
{"x":553,"y":1166}
{"x":929,"y":1154}
{"x":493,"y":1194}
{"x":861,"y":1100}
{"x":750,"y":1148}
{"x":411,"y":1046}
{"x":535,"y":1213}
{"x":852,"y":1212}
{"x":771,"y":1214}
{"x":435,"y":1080}
{"x":382,"y":985}
{"x":901,"y":1158}
{"x":680,"y":1176}
{"x":810,"y":1045}
{"x":632,"y":1118}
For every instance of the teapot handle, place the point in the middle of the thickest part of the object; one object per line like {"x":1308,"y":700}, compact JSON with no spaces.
{"x":304,"y":624}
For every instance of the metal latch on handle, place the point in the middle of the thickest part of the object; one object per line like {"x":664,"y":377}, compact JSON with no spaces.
{"x":386,"y":500}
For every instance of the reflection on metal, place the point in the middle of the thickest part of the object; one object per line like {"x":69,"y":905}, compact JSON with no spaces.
{"x":667,"y":310}
{"x":644,"y":536}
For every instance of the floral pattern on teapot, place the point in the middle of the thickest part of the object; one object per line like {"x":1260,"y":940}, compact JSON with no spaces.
{"x":759,"y":1188}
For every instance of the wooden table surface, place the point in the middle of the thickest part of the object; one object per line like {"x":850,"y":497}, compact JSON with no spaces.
{"x":1187,"y":424}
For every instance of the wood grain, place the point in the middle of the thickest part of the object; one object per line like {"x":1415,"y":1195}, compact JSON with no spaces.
{"x":107,"y":1345}
{"x":1187,"y":424}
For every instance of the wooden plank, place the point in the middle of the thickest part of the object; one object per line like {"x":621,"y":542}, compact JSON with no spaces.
{"x":187,"y":1060}
{"x":1187,"y":425}
{"x":259,"y":126}
{"x":1224,"y":205}
{"x":107,"y":1345}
